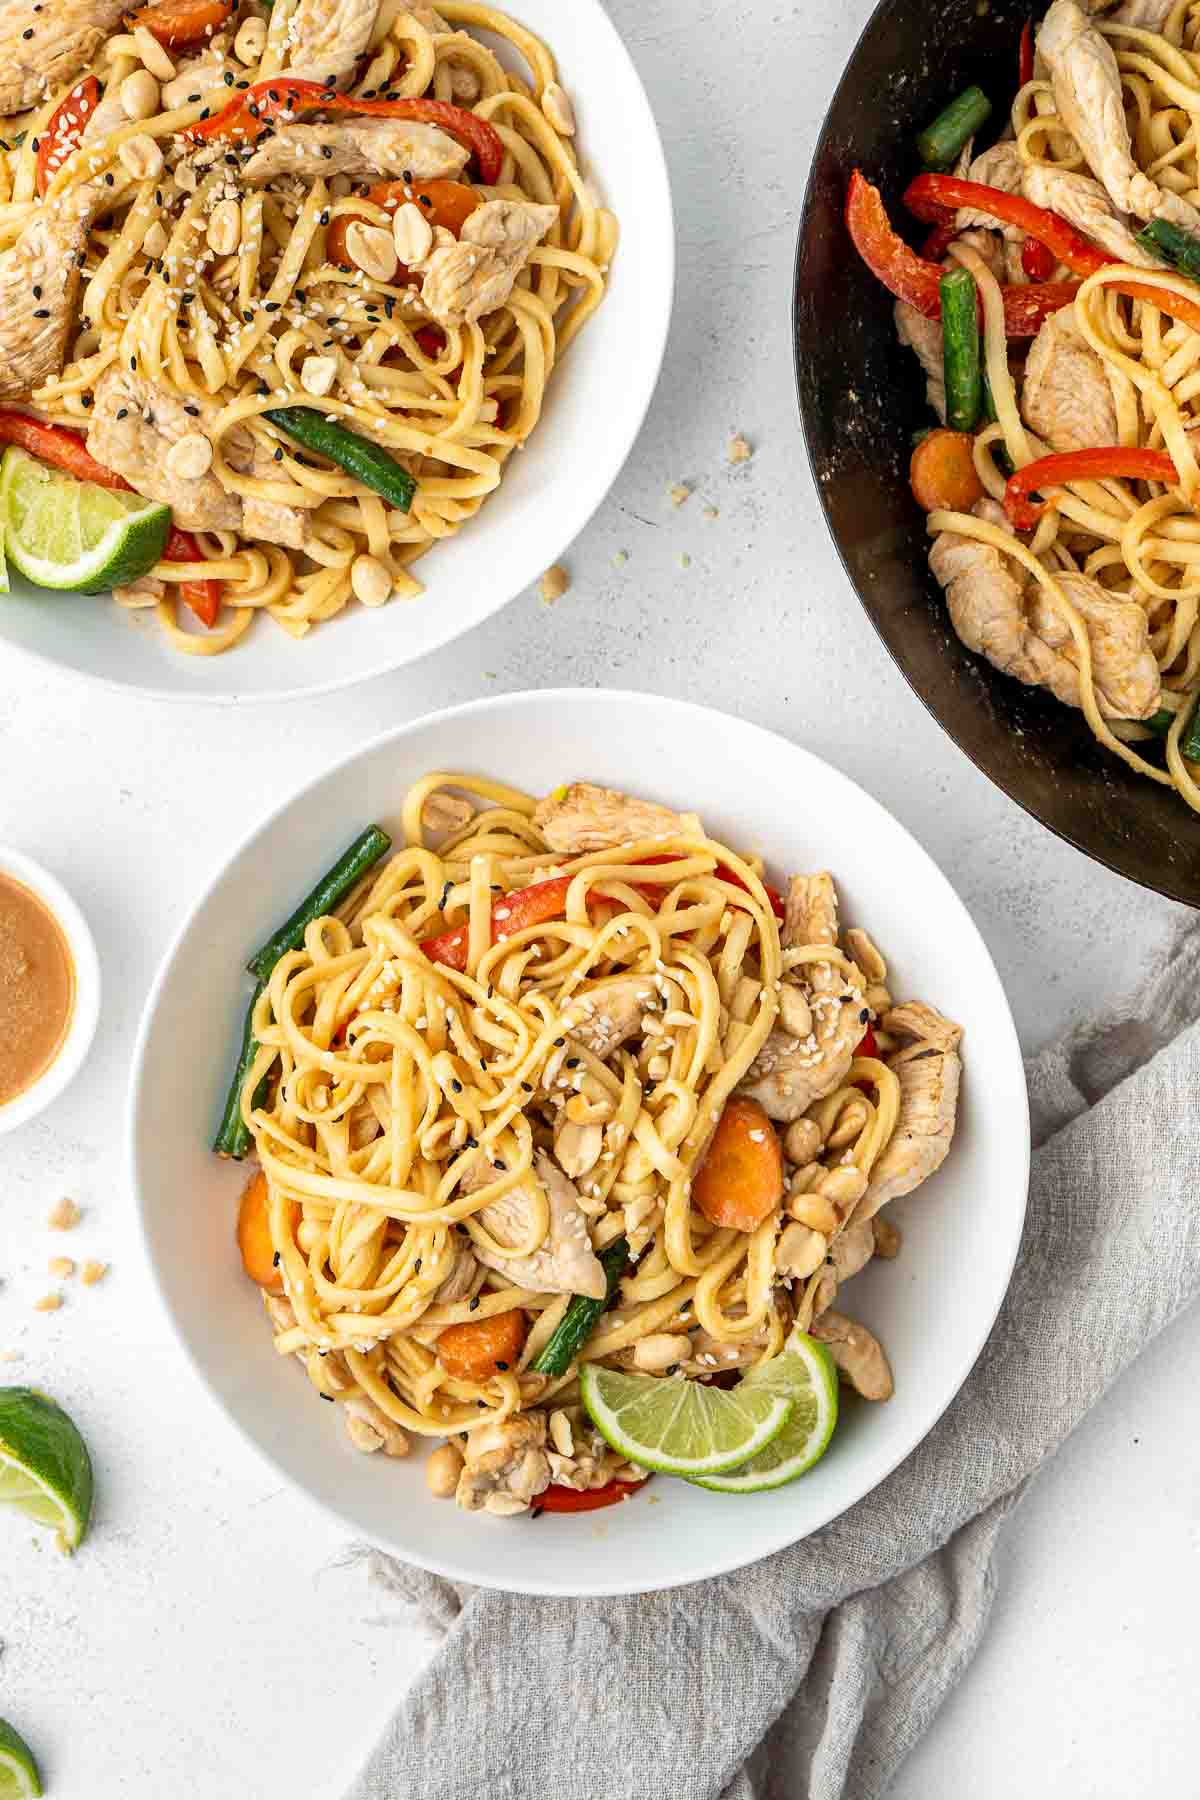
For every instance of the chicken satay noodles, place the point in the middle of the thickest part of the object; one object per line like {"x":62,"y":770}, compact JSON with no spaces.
{"x":1064,"y":515}
{"x":299,"y":272}
{"x":567,"y":1082}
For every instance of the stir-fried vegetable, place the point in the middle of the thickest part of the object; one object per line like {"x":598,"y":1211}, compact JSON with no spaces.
{"x":64,"y":133}
{"x":249,"y":114}
{"x":254,"y":1234}
{"x":1189,"y":743}
{"x":445,"y":203}
{"x":202,"y":596}
{"x":939,"y":145}
{"x":740,"y":1181}
{"x":557,"y":1499}
{"x":942,"y":473}
{"x":178,"y":24}
{"x":233,"y":1139}
{"x":1025,"y":54}
{"x":1037,"y":260}
{"x":960,"y":349}
{"x":365,"y":461}
{"x":911,"y":278}
{"x":535,"y":905}
{"x":1116,"y":460}
{"x":480,"y":1348}
{"x":575,"y":1327}
{"x":1182,"y":248}
{"x":346,"y":873}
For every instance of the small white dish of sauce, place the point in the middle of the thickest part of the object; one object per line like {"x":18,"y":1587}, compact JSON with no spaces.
{"x":49,"y":988}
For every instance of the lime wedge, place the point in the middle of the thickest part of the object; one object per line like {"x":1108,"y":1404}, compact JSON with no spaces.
{"x":45,"y":1470}
{"x":68,"y":534}
{"x":680,"y":1427}
{"x":19,"y":1776}
{"x":3,"y":565}
{"x":806,"y":1371}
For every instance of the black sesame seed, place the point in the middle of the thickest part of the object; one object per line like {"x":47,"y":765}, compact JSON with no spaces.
{"x":41,"y":312}
{"x":328,"y":1397}
{"x":122,"y":412}
{"x":28,"y":33}
{"x":417,"y":1266}
{"x":109,"y":179}
{"x":572,"y":1062}
{"x":248,"y":317}
{"x":275,"y":1260}
{"x":34,"y":144}
{"x":472,"y":1143}
{"x":37,"y":293}
{"x":87,"y":400}
{"x":457,"y":1086}
{"x":501,"y":1365}
{"x":864,"y":1015}
{"x":528,"y":1086}
{"x":227,"y":78}
{"x":271,"y":306}
{"x":559,"y":1042}
{"x":192,"y":411}
{"x":324,"y":218}
{"x":472,"y":1305}
{"x":279,"y":456}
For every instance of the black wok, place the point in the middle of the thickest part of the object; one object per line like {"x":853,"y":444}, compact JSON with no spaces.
{"x":861,"y":396}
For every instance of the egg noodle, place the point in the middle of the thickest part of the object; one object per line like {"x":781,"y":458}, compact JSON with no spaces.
{"x":1139,"y":540}
{"x":237,"y":328}
{"x":393,"y":1080}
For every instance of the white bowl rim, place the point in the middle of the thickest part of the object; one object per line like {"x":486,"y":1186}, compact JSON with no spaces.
{"x":571,"y":521}
{"x":86,"y":1014}
{"x":1005,"y":1027}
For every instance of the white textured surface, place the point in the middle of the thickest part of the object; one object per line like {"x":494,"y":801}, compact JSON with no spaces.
{"x":207,"y":1641}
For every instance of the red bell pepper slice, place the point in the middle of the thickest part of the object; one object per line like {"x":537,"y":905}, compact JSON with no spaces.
{"x":940,"y":239}
{"x":64,"y":133}
{"x":431,"y":339}
{"x":202,"y":597}
{"x":867,"y":1045}
{"x":558,"y":1499}
{"x":180,"y":23}
{"x":930,"y":192}
{"x":1037,"y":260}
{"x":535,"y":905}
{"x":1025,"y":55}
{"x":247,"y":116}
{"x":911,"y":278}
{"x":1081,"y":465}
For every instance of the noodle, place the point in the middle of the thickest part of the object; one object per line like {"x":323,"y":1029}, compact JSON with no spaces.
{"x":232,"y":331}
{"x":406,"y":1110}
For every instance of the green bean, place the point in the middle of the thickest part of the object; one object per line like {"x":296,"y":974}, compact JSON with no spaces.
{"x":941,"y":142}
{"x":960,"y":350}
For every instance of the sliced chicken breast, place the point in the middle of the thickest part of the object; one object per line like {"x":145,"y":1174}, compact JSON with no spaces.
{"x":39,"y":293}
{"x":584,"y":817}
{"x":465,"y":280}
{"x":1066,"y":396}
{"x":371,"y":147}
{"x":327,"y":38}
{"x":44,"y":43}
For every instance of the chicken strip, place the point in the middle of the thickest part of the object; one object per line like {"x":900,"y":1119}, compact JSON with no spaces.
{"x":327,"y":37}
{"x":42,"y":46}
{"x":464,"y":280}
{"x":370,"y":147}
{"x":584,"y":817}
{"x":1087,"y":92}
{"x":506,"y":1465}
{"x":39,"y":293}
{"x":1066,"y":396}
{"x":999,"y":612}
{"x":920,"y":1143}
{"x":565,"y":1263}
{"x":1083,"y":202}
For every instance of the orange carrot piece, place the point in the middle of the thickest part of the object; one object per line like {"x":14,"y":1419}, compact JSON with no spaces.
{"x":479,"y":1348}
{"x":446,"y":203}
{"x":254,"y":1235}
{"x":942,"y":472}
{"x":740,"y":1181}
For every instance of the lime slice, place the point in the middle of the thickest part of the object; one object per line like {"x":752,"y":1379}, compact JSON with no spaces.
{"x":680,"y":1427}
{"x":807,"y":1372}
{"x":68,"y":534}
{"x":45,"y":1469}
{"x":18,"y":1772}
{"x":3,"y":565}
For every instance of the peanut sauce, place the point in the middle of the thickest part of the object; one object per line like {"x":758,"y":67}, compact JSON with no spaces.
{"x":37,"y":987}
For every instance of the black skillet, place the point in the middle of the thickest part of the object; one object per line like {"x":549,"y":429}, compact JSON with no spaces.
{"x":861,"y":396}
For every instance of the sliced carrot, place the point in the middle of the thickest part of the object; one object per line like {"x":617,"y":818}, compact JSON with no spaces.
{"x":178,"y":23}
{"x":254,"y":1235}
{"x":942,"y":472}
{"x":740,"y":1181}
{"x":479,"y":1348}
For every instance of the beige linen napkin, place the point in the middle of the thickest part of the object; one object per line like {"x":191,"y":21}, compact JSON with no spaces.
{"x":812,"y":1674}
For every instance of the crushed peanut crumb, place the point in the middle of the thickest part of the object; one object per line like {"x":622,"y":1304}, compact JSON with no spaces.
{"x":92,"y":1272}
{"x":61,"y":1267}
{"x":679,"y":493}
{"x":48,"y":1303}
{"x":63,"y":1215}
{"x":555,"y":583}
{"x":712,"y":512}
{"x":739,"y":450}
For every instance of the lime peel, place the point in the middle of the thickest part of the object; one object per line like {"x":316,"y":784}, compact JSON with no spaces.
{"x":806,"y":1370}
{"x":680,"y":1427}
{"x":76,"y":536}
{"x":45,"y":1469}
{"x":20,"y":1778}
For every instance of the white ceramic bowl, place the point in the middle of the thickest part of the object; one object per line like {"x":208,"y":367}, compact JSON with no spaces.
{"x":595,"y":405}
{"x":932,"y":1309}
{"x":82,"y":1026}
